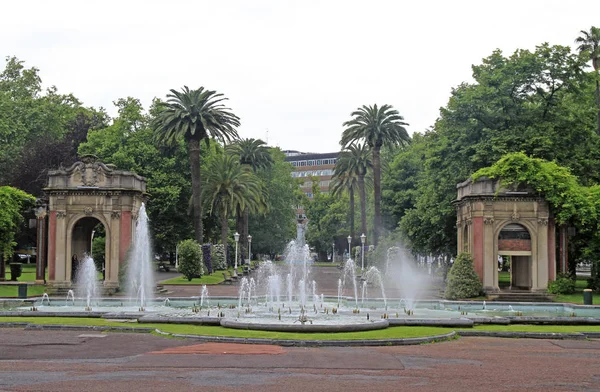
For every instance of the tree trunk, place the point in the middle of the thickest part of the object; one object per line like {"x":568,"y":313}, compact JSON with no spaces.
{"x":194,"y":146}
{"x":224,"y":230}
{"x":363,"y":204}
{"x":2,"y":269}
{"x":377,"y":192}
{"x":246,"y":222}
{"x":352,"y":233}
{"x":598,"y":103}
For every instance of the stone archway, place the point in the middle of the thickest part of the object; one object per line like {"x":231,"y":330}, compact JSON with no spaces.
{"x":89,"y":192}
{"x":514,"y":242}
{"x":487,"y":208}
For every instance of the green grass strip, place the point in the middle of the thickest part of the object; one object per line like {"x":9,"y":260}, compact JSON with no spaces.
{"x":389,"y":333}
{"x":201,"y":330}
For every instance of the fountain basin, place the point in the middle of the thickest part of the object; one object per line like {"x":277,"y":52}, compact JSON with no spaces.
{"x":306,"y":327}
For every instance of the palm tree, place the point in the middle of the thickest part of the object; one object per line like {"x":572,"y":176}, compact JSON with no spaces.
{"x":228,"y":187}
{"x":355,"y":162}
{"x":589,"y":43}
{"x":253,"y":155}
{"x":195,"y":115}
{"x":377,"y":127}
{"x":341,"y":182}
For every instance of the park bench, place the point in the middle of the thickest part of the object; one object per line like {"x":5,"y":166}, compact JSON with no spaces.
{"x":227,"y":279}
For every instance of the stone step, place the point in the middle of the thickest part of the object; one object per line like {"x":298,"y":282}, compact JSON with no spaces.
{"x":522,"y":297}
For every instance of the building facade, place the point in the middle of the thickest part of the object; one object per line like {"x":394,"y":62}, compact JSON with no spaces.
{"x":310,"y":167}
{"x":496,"y":224}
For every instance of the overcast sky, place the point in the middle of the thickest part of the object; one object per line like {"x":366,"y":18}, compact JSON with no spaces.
{"x":292,"y":70}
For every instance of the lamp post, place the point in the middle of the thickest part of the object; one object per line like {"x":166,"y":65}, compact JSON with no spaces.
{"x":333,"y":253}
{"x":363,"y":237}
{"x":236,"y":236}
{"x":249,"y":249}
{"x":349,"y":247}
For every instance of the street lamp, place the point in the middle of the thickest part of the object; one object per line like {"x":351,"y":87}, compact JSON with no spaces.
{"x":333,"y":253}
{"x":349,"y":247}
{"x":92,"y":244}
{"x":236,"y":236}
{"x":363,"y":237}
{"x":249,"y":248}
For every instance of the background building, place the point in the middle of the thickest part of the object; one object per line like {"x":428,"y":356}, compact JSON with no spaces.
{"x":311,"y":167}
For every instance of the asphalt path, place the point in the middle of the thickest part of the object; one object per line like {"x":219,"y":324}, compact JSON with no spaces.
{"x":84,"y":361}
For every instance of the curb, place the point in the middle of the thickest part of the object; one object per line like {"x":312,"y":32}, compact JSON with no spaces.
{"x":317,"y":343}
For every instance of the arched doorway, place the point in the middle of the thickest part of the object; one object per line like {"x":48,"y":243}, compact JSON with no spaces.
{"x":88,"y":238}
{"x":89,"y":198}
{"x":514,"y":249}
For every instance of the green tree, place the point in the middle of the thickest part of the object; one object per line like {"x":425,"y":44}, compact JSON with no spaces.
{"x":531,"y":101}
{"x":345,"y":182}
{"x":228,"y":187}
{"x":463,"y":281}
{"x":128,"y":143}
{"x":195,"y":115}
{"x":326,"y":220}
{"x":12,"y":203}
{"x":34,"y":126}
{"x":253,"y":155}
{"x":589,"y":44}
{"x":272,"y":230}
{"x":190,"y":259}
{"x":377,"y":127}
{"x":355,"y":162}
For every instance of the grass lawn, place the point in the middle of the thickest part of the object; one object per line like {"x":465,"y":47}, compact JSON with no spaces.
{"x":27,"y":274}
{"x":215,"y":278}
{"x":389,"y":333}
{"x":325,"y":264}
{"x":577,"y":296}
{"x":11,"y":291}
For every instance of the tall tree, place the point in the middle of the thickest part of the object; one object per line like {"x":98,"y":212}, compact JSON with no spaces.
{"x":377,"y":127}
{"x":12,"y":203}
{"x":345,"y":182}
{"x":272,"y":230}
{"x":589,"y":44}
{"x":228,"y":187}
{"x":253,"y":155}
{"x":355,"y":161}
{"x":195,"y":115}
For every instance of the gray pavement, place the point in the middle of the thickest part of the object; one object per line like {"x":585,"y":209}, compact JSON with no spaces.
{"x":76,"y":361}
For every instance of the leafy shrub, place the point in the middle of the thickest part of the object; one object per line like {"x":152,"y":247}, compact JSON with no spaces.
{"x":190,"y":259}
{"x":463,"y":281}
{"x":563,"y":284}
{"x":218,"y":257}
{"x":594,"y":280}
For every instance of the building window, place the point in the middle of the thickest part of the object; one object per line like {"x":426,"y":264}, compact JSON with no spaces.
{"x":302,"y":163}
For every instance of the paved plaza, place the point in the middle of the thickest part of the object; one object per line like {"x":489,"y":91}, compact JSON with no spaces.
{"x":55,"y":360}
{"x":82,"y":361}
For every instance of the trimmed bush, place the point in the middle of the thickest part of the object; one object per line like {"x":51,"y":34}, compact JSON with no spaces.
{"x":190,"y":259}
{"x":563,"y":284}
{"x":218,"y":257}
{"x":463,"y":282}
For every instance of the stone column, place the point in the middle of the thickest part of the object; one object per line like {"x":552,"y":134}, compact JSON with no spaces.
{"x":52,"y":246}
{"x":478,"y":244}
{"x":490,"y":270}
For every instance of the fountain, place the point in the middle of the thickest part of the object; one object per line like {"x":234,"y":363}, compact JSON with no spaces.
{"x":140,"y":263}
{"x":71,"y":297}
{"x":286,"y":297}
{"x":87,"y":276}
